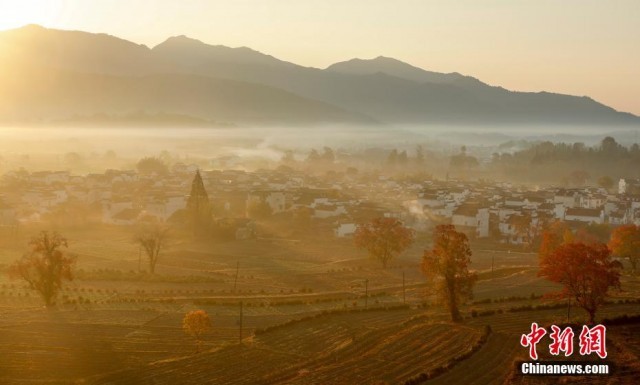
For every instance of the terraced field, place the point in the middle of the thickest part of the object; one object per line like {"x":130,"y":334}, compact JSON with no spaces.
{"x":374,"y":346}
{"x":232,"y":365}
{"x":365,"y":348}
{"x":104,"y":324}
{"x":489,"y":365}
{"x":40,"y":345}
{"x":390,"y":356}
{"x":520,"y":322}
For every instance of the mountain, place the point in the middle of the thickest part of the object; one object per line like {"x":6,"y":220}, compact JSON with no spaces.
{"x":391,"y":91}
{"x":46,"y":95}
{"x":393,"y":67}
{"x":98,"y":73}
{"x":49,"y":75}
{"x":76,"y":51}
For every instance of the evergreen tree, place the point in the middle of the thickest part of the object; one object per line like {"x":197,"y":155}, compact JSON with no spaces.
{"x":419,"y":155}
{"x":314,"y":156}
{"x":402,"y":158}
{"x":199,"y":207}
{"x":392,"y":159}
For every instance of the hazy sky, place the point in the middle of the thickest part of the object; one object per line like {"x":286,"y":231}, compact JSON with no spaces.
{"x":579,"y":47}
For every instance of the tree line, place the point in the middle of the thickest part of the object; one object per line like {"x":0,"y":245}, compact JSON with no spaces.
{"x":570,"y":163}
{"x":582,"y":263}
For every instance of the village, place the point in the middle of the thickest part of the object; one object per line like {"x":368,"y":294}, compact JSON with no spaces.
{"x":332,"y":204}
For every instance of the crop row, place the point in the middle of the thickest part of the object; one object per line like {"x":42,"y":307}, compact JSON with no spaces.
{"x":392,"y":354}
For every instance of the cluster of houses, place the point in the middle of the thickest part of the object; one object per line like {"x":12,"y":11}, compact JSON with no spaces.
{"x":336,"y":203}
{"x":515,"y":215}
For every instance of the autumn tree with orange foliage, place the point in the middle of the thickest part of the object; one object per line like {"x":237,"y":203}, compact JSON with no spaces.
{"x":383,"y":238}
{"x":447,"y":266}
{"x":196,"y":323}
{"x":555,"y":235}
{"x":586,"y":272}
{"x":46,"y":266}
{"x":625,"y":243}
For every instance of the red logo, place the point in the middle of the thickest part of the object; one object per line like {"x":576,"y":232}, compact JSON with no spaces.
{"x":532,"y":339}
{"x":592,"y":340}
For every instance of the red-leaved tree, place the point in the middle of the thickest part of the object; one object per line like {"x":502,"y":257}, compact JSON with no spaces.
{"x":586,"y":272}
{"x":556,"y":234}
{"x":448,"y":262}
{"x":383,"y":238}
{"x":625,"y":243}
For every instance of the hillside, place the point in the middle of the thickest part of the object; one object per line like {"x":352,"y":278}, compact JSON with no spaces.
{"x":51,"y":96}
{"x":241,"y":85}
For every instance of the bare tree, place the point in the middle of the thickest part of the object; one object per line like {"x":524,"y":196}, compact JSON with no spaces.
{"x":45,"y":266}
{"x":152,"y":238}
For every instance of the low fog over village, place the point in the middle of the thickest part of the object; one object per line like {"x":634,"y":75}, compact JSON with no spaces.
{"x":331,"y":191}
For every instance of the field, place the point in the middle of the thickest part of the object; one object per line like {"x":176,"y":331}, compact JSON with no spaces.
{"x":284,"y":312}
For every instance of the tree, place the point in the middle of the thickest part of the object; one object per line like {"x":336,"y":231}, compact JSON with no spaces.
{"x":313,"y":156}
{"x":579,"y":177}
{"x":151,"y":165}
{"x":593,"y":233}
{"x":152,"y":238}
{"x":586,"y":272}
{"x":419,"y":155}
{"x":302,"y":217}
{"x":46,"y":266}
{"x":463,"y":160}
{"x":328,"y":156}
{"x":449,"y":260}
{"x":605,"y":182}
{"x":625,"y":243}
{"x":392,"y":159}
{"x":383,"y":238}
{"x":288,"y":158}
{"x":403,"y":158}
{"x":199,"y":208}
{"x":258,"y":209}
{"x":196,"y":323}
{"x":556,"y":234}
{"x":73,"y":158}
{"x":524,"y":229}
{"x":609,"y":146}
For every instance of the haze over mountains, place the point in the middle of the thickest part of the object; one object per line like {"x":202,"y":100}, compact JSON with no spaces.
{"x":51,"y":75}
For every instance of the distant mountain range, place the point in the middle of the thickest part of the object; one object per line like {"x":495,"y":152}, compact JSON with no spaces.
{"x":49,"y":75}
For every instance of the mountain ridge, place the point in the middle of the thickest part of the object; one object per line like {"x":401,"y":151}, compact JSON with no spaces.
{"x":366,"y":91}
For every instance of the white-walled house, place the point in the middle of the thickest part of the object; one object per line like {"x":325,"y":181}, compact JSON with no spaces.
{"x":49,"y":177}
{"x":593,"y":201}
{"x":585,"y":215}
{"x":559,"y":211}
{"x":328,"y":210}
{"x":165,"y":207}
{"x":567,"y":198}
{"x":345,"y":230}
{"x":472,"y":217}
